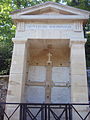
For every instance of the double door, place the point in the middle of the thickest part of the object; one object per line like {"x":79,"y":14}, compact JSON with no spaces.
{"x":47,"y":84}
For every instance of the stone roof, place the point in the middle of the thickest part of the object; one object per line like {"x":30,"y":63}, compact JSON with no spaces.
{"x":50,"y":4}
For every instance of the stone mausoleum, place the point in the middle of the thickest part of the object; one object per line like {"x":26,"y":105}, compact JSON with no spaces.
{"x":48,"y":61}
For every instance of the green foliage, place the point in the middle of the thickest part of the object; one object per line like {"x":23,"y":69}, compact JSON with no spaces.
{"x":26,"y":3}
{"x":82,"y":4}
{"x":7,"y":31}
{"x":5,"y":57}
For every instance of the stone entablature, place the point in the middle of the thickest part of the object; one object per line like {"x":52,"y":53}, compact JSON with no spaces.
{"x":61,"y":31}
{"x":75,"y":26}
{"x":64,"y":21}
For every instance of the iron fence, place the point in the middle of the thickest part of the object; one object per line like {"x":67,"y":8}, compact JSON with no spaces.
{"x":44,"y":111}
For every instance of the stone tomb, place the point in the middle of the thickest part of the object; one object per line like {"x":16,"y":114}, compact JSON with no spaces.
{"x":48,"y":62}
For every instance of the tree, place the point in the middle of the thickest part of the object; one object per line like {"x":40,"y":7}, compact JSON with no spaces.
{"x":82,"y":4}
{"x":7,"y":31}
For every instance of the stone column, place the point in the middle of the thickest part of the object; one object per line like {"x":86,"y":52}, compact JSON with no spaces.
{"x":79,"y":89}
{"x":17,"y":76}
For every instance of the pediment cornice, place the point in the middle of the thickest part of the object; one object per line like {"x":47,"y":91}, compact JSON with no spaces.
{"x":51,"y":9}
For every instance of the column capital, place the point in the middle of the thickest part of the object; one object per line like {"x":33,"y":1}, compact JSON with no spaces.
{"x":19,"y":40}
{"x":77,"y":42}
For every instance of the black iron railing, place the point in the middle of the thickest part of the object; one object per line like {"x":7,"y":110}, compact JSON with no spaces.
{"x":38,"y":111}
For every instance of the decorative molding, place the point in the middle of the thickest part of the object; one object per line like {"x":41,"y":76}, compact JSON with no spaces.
{"x":77,"y":42}
{"x":51,"y":17}
{"x":21,"y":26}
{"x":78,"y":26}
{"x":19,"y":40}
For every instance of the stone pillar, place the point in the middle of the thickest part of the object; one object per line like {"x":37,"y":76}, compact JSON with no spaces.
{"x":79,"y":88}
{"x":17,"y":76}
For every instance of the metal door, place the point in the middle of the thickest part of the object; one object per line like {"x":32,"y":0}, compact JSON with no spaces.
{"x":48,"y":84}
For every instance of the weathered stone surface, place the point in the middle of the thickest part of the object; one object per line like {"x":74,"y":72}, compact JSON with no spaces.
{"x":3,"y":87}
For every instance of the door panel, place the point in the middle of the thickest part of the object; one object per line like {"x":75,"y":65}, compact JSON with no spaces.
{"x":60,"y":95}
{"x":35,"y":94}
{"x":60,"y":74}
{"x":60,"y":91}
{"x":37,"y":73}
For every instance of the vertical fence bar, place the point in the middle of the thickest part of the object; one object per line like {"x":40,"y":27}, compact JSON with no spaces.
{"x":70,"y":112}
{"x":42,"y":112}
{"x":48,"y":112}
{"x":21,"y":112}
{"x":24,"y":111}
{"x":66,"y":112}
{"x":45,"y":112}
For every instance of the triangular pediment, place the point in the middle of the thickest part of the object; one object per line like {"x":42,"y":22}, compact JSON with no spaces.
{"x":50,"y":8}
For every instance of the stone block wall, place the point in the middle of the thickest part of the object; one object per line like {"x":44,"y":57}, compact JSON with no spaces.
{"x":3,"y":87}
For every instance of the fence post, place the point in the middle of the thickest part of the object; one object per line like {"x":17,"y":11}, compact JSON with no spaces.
{"x":70,"y":112}
{"x":48,"y":112}
{"x":24,"y":112}
{"x":45,"y":112}
{"x":42,"y":112}
{"x":21,"y":112}
{"x":66,"y":113}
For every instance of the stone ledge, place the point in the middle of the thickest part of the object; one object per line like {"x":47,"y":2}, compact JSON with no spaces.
{"x":19,"y":40}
